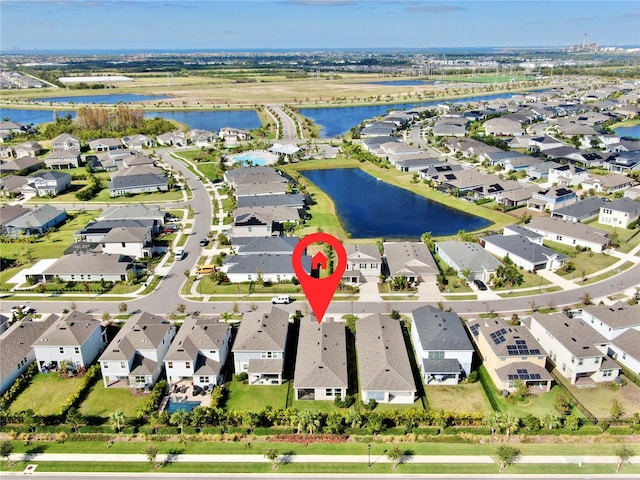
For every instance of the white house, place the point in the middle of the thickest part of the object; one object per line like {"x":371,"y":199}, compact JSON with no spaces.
{"x":569,"y":233}
{"x":626,"y":350}
{"x":383,"y":363}
{"x":611,"y":321}
{"x":134,"y":358}
{"x":462,"y":256}
{"x":66,"y":141}
{"x":75,"y":338}
{"x":443,"y":349}
{"x":199,"y":352}
{"x":363,"y":260}
{"x":568,"y":174}
{"x":47,"y":183}
{"x":260,"y":346}
{"x":412,"y":260}
{"x":262,"y":266}
{"x":619,"y":213}
{"x":135,"y":242}
{"x":577,"y":350}
{"x":529,"y":255}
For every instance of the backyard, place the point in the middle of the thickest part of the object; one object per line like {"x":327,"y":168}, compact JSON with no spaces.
{"x":242,"y":396}
{"x":46,"y":394}
{"x":467,"y":397}
{"x":101,"y":401}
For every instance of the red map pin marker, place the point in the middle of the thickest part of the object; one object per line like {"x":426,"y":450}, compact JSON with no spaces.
{"x":319,"y":291}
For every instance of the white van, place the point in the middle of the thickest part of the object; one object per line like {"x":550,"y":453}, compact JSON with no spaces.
{"x":281,"y":299}
{"x":179,"y":254}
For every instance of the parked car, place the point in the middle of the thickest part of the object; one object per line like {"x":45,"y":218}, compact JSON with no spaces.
{"x":170,"y":228}
{"x":204,"y":242}
{"x":281,"y":299}
{"x":179,"y":254}
{"x":480,"y":284}
{"x":24,"y":309}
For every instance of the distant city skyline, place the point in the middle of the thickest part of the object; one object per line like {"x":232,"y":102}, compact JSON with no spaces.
{"x":304,"y":24}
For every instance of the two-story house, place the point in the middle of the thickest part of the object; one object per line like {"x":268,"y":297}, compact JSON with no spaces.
{"x":134,"y":357}
{"x":260,"y":346}
{"x":552,"y":199}
{"x":321,"y":371}
{"x":66,"y":141}
{"x":199,"y":352}
{"x":568,"y":174}
{"x":510,"y":354}
{"x":363,"y":260}
{"x":135,"y":242}
{"x":443,"y":349}
{"x":47,"y":183}
{"x":75,"y":339}
{"x":619,"y":213}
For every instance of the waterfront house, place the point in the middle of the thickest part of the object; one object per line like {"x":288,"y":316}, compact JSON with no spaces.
{"x":569,"y":233}
{"x":412,"y":260}
{"x":551,"y":199}
{"x":66,"y":141}
{"x":462,"y":256}
{"x":582,"y":211}
{"x":363,"y":260}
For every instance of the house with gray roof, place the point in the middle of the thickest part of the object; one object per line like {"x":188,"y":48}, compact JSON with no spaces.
{"x":199,"y":352}
{"x":626,"y":350}
{"x":35,"y":222}
{"x":75,"y":339}
{"x":378,"y":129}
{"x":512,"y":161}
{"x":136,"y":212}
{"x":89,"y":267}
{"x":66,"y":141}
{"x":363,"y":260}
{"x":268,"y":267}
{"x":293,"y":200}
{"x":95,"y":231}
{"x":619,"y":213}
{"x":58,"y":159}
{"x":624,"y":162}
{"x":260,"y":346}
{"x":413,"y":163}
{"x":529,"y":255}
{"x":175,"y":138}
{"x":134,"y":357}
{"x":438,"y":169}
{"x":578,"y":352}
{"x":503,"y":126}
{"x":138,"y":142}
{"x":374,"y":144}
{"x":611,"y":321}
{"x":141,"y":182}
{"x":551,"y":199}
{"x":515,"y":197}
{"x":21,"y":165}
{"x":135,"y":242}
{"x":45,"y":183}
{"x":608,"y":183}
{"x":256,"y":245}
{"x":443,"y":350}
{"x":510,"y":354}
{"x":16,"y":350}
{"x":9,"y":212}
{"x":568,"y":174}
{"x":262,"y":221}
{"x":569,"y":233}
{"x":321,"y":371}
{"x":106,"y":144}
{"x":11,"y":185}
{"x":412,"y":260}
{"x":540,"y":171}
{"x":383,"y":362}
{"x":582,"y":211}
{"x":463,"y":256}
{"x":253,"y":174}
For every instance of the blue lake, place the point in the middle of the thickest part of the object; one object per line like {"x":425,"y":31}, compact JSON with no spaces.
{"x":336,"y":121}
{"x":206,"y":120}
{"x":109,"y":99}
{"x":369,"y":208}
{"x":629,"y":131}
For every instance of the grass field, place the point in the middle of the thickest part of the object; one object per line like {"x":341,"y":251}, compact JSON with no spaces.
{"x":467,"y":397}
{"x":207,"y":286}
{"x":101,"y":401}
{"x":46,"y":394}
{"x":255,"y":397}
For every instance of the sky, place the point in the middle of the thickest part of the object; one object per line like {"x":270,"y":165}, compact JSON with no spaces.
{"x":303,"y":24}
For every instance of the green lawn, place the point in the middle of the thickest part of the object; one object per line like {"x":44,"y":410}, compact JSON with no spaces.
{"x":207,"y":286}
{"x":467,"y":397}
{"x":46,"y":394}
{"x":101,"y":401}
{"x":256,"y":397}
{"x":587,"y":263}
{"x":529,"y":280}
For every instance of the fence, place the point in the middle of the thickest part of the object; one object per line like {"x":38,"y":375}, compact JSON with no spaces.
{"x":487,"y":386}
{"x":561,"y":381}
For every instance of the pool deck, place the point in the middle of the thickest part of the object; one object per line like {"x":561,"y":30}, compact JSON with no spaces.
{"x":186,"y":396}
{"x":258,"y":157}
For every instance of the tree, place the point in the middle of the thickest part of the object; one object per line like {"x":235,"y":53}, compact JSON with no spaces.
{"x":6,"y":450}
{"x":273,"y":456}
{"x":106,"y":317}
{"x":179,"y":418}
{"x":151,"y":452}
{"x":181,"y":308}
{"x":123,"y":307}
{"x":396,"y":456}
{"x":586,"y":298}
{"x":624,"y":454}
{"x":617,"y":409}
{"x":74,"y":418}
{"x":562,"y":405}
{"x":117,"y":418}
{"x":506,"y":455}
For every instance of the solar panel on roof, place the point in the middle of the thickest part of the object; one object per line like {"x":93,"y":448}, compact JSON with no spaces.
{"x":474,"y":329}
{"x":535,"y":376}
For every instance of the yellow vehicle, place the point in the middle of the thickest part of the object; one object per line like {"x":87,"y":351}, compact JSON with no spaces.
{"x":205,"y":269}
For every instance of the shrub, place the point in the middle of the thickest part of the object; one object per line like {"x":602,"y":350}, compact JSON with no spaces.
{"x":473,"y":377}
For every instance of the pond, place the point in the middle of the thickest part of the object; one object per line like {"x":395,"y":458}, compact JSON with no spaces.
{"x":369,"y":208}
{"x":633,"y":131}
{"x":205,"y":120}
{"x":336,"y":121}
{"x":110,"y":99}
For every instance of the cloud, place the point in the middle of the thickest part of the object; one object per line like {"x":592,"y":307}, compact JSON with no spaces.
{"x":434,"y":9}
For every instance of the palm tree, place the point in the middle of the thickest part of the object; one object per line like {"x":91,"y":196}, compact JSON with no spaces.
{"x":396,"y":456}
{"x":117,"y":419}
{"x":273,"y":456}
{"x":152,"y":452}
{"x":506,"y":455}
{"x":179,"y":418}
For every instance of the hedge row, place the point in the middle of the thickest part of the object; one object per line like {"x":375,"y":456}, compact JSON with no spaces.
{"x":18,"y":387}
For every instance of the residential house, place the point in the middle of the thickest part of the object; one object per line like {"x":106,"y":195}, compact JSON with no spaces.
{"x":105,"y":144}
{"x":624,"y":162}
{"x":568,"y":175}
{"x":138,"y":142}
{"x":175,"y":139}
{"x":493,"y":190}
{"x":443,"y":349}
{"x":90,"y":267}
{"x":138,"y":180}
{"x":59,"y":159}
{"x":15,"y":345}
{"x":523,"y":252}
{"x":626,"y":350}
{"x":35,"y":222}
{"x":468,"y":259}
{"x":260,"y":346}
{"x":8,"y":213}
{"x":22,"y":165}
{"x":413,"y":163}
{"x":462,"y":182}
{"x":611,"y":321}
{"x":619,"y":213}
{"x":293,"y":200}
{"x":201,"y":138}
{"x":577,"y":351}
{"x":94,"y":231}
{"x":264,"y":267}
{"x":412,"y":260}
{"x":608,"y":183}
{"x":582,"y":211}
{"x":234,"y":135}
{"x":47,"y":183}
{"x":569,"y":233}
{"x":363,"y":260}
{"x":503,"y":126}
{"x":632,"y":193}
{"x":11,"y":186}
{"x":551,"y":199}
{"x":510,"y":354}
{"x":253,"y":175}
{"x":516,"y":197}
{"x":134,"y":357}
{"x":436,"y":171}
{"x":256,"y":245}
{"x":540,"y":171}
{"x":263,"y":221}
{"x":136,"y":212}
{"x":75,"y":339}
{"x":400,"y":149}
{"x":135,"y":242}
{"x":66,"y":141}
{"x":199,"y":352}
{"x":383,"y":363}
{"x":470,"y":148}
{"x":321,"y":371}
{"x":512,"y":161}
{"x":538,"y":144}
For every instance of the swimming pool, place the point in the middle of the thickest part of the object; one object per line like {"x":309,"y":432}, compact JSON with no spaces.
{"x":174,"y":406}
{"x":255,"y":158}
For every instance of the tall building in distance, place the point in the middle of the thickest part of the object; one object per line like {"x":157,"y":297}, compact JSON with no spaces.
{"x":584,"y":47}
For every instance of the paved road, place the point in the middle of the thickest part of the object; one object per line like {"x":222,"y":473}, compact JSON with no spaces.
{"x":288,"y":124}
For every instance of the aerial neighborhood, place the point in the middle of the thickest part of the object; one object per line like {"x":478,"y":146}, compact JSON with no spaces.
{"x":193,"y":245}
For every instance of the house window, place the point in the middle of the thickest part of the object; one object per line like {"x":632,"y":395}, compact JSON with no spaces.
{"x":169,"y":364}
{"x":377,"y":396}
{"x":624,"y":355}
{"x":61,"y":349}
{"x":203,"y":379}
{"x":580,"y":361}
{"x":76,"y":349}
{"x":123,"y":365}
{"x":328,"y":392}
{"x":187,"y":364}
{"x":436,"y":355}
{"x":139,"y":379}
{"x":559,"y":238}
{"x":607,"y":373}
